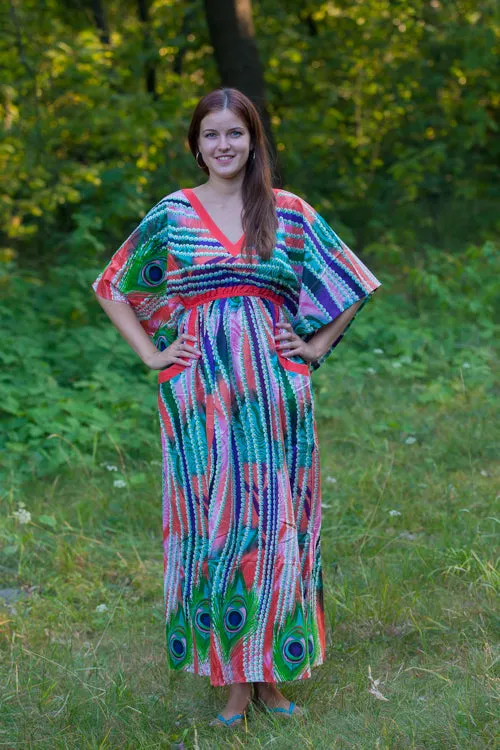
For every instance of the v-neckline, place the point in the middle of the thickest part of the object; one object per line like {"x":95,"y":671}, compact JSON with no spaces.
{"x":233,"y":247}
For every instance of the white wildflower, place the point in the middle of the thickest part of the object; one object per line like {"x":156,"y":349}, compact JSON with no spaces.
{"x":326,"y":505}
{"x":110,"y":467}
{"x":406,"y":359}
{"x":378,"y":351}
{"x":483,"y":473}
{"x":396,"y":364}
{"x":466,"y":365}
{"x":120,"y":483}
{"x":101,"y":608}
{"x":371,"y":370}
{"x":22,"y":515}
{"x":394,"y":513}
{"x":332,"y":480}
{"x":410,"y":440}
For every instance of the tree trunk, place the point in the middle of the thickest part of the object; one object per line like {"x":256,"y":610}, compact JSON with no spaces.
{"x":149,"y":68}
{"x":100,"y":20}
{"x":232,"y":33}
{"x":190,"y":11}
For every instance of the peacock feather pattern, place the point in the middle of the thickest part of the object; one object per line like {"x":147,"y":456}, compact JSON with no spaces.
{"x":201,"y":618}
{"x":234,"y":614}
{"x":243,"y":586}
{"x":291,"y":650}
{"x":179,"y":642}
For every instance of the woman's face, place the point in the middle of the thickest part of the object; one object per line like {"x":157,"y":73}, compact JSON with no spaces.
{"x":224,"y":143}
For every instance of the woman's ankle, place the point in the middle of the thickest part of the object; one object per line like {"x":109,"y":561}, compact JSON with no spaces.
{"x":240,"y":688}
{"x":270,"y":693}
{"x":266,"y":686}
{"x":239,"y":693}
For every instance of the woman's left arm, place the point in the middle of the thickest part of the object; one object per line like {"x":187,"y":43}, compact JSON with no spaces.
{"x":323,"y":339}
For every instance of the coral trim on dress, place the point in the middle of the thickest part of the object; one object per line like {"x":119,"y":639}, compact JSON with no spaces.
{"x":233,"y":247}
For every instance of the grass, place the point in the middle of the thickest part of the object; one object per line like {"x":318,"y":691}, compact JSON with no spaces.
{"x":410,"y":478}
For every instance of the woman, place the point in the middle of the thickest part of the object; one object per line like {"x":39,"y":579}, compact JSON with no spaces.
{"x":236,"y":292}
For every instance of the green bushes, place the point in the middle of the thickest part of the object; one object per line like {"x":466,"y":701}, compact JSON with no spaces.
{"x":71,"y":388}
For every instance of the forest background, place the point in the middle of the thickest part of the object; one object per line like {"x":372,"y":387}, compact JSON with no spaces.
{"x":384,"y":116}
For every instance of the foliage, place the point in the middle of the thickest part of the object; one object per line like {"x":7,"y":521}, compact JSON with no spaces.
{"x":384,"y":113}
{"x":84,"y":148}
{"x":67,"y":383}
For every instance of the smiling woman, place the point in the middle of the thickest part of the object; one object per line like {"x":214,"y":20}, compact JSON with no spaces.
{"x":224,"y":142}
{"x":235,"y":292}
{"x":227,"y":139}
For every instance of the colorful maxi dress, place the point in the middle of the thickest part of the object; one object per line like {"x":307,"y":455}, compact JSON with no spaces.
{"x":243,"y":586}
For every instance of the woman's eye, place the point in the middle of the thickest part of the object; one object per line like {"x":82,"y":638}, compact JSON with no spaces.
{"x":236,"y":132}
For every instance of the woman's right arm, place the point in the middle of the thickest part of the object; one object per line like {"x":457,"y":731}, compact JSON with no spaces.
{"x":123,"y":317}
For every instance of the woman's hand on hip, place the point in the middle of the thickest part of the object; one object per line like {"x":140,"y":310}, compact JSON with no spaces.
{"x":290,"y":344}
{"x":182,"y":351}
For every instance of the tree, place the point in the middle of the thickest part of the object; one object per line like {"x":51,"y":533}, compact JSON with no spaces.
{"x":101,"y":21}
{"x":149,"y":65}
{"x":232,"y":33}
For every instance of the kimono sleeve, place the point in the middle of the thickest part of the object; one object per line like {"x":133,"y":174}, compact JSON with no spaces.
{"x":333,"y":279}
{"x":138,"y":269}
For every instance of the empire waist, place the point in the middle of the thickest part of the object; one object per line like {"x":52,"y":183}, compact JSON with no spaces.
{"x":238,"y":290}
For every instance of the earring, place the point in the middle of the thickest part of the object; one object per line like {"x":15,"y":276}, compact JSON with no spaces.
{"x":202,"y":165}
{"x":253,"y":154}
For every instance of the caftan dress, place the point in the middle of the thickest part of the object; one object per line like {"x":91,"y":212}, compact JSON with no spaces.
{"x":243,"y":589}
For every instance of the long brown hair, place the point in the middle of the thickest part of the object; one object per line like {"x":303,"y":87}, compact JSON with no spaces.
{"x":259,"y":215}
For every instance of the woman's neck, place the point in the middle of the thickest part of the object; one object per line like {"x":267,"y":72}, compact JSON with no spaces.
{"x":224,"y":189}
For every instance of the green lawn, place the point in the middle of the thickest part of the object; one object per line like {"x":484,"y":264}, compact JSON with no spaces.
{"x":410,"y":477}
